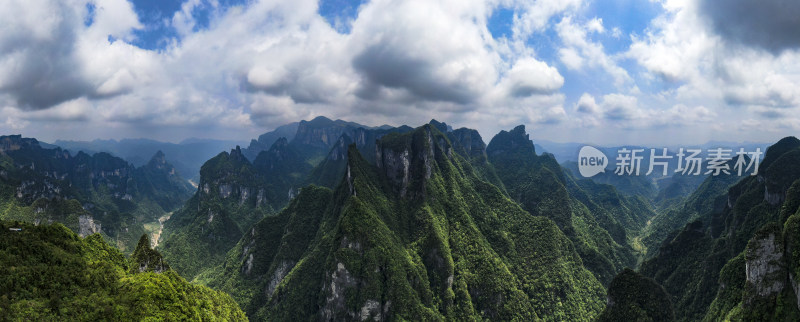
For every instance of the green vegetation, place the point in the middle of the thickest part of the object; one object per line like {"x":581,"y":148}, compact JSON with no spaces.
{"x":633,"y":297}
{"x":49,"y":273}
{"x":87,"y":193}
{"x":735,"y":228}
{"x":595,"y":217}
{"x":429,"y":241}
{"x":232,"y":196}
{"x":234,"y":193}
{"x":394,"y":224}
{"x":710,"y":196}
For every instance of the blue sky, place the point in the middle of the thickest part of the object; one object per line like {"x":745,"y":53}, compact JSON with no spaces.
{"x":605,"y":71}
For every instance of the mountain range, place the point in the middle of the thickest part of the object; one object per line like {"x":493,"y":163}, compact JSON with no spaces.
{"x":334,"y":220}
{"x":89,"y":194}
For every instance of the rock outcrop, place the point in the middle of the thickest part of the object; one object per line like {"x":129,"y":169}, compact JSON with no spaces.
{"x":410,"y":159}
{"x":765,"y":266}
{"x":147,"y":259}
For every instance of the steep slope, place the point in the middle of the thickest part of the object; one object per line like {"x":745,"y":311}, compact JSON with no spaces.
{"x":419,"y":236}
{"x":331,"y":170}
{"x":52,"y":274}
{"x":709,"y":197}
{"x":232,"y":196}
{"x":633,"y":297}
{"x":187,"y":156}
{"x":234,"y":193}
{"x":469,"y":144}
{"x":266,"y":140}
{"x":737,"y":233}
{"x":595,"y":217}
{"x":161,"y":181}
{"x":285,"y":169}
{"x":88,"y":193}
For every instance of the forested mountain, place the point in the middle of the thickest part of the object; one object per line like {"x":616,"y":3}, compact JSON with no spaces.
{"x":187,"y":156}
{"x":737,"y":259}
{"x":338,"y":221}
{"x":599,"y":221}
{"x":50,"y":274}
{"x":420,"y":235}
{"x":88,"y":193}
{"x":234,"y":193}
{"x":633,"y":297}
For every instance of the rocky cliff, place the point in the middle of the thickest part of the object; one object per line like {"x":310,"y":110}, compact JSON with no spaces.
{"x":420,"y":236}
{"x":97,"y":193}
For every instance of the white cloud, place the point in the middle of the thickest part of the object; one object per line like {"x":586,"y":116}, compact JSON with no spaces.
{"x":587,"y":105}
{"x":268,"y":62}
{"x":595,"y":25}
{"x":529,"y":77}
{"x":682,"y":49}
{"x":537,"y":14}
{"x":579,"y":51}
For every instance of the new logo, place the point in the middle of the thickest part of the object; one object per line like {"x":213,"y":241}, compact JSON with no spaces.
{"x":591,"y":161}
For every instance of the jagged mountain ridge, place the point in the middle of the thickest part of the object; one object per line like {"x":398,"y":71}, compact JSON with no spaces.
{"x":234,"y":193}
{"x":420,"y":214}
{"x":88,"y":193}
{"x":599,"y":221}
{"x":186,"y":156}
{"x":735,"y":260}
{"x":316,"y":136}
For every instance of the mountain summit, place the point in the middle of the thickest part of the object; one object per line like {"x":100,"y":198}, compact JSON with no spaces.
{"x":419,"y":236}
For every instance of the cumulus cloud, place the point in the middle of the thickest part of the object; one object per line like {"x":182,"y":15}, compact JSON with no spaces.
{"x":37,"y":53}
{"x":579,"y":50}
{"x":768,"y":24}
{"x":264,"y":63}
{"x":714,"y":64}
{"x":596,"y":25}
{"x":626,"y":111}
{"x":529,"y":77}
{"x":428,"y":49}
{"x":587,"y":105}
{"x":620,"y":107}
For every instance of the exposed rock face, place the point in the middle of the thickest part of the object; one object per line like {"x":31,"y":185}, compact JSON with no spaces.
{"x":247,"y":252}
{"x":765,"y":267}
{"x":225,"y":190}
{"x":468,"y":142}
{"x":16,"y":142}
{"x":371,"y":308}
{"x":87,"y":226}
{"x":260,"y":198}
{"x":350,"y":181}
{"x":340,"y":280}
{"x":339,"y":151}
{"x":63,"y":188}
{"x":232,"y":179}
{"x":773,"y":198}
{"x":401,"y":161}
{"x":510,"y":141}
{"x":280,"y":272}
{"x":396,"y":167}
{"x":322,"y":132}
{"x":796,"y":287}
{"x":31,"y":190}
